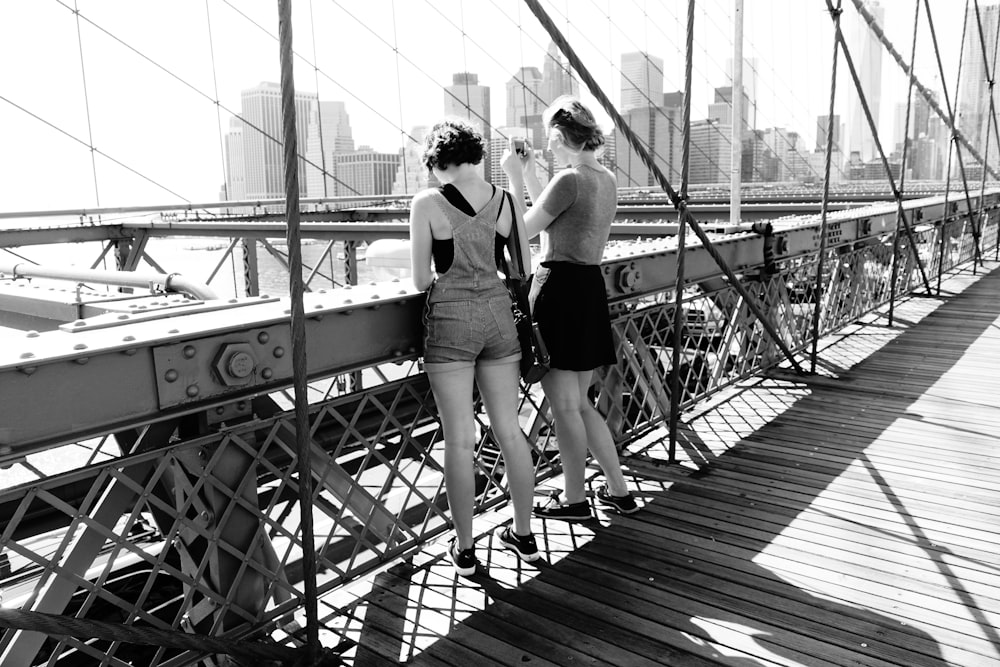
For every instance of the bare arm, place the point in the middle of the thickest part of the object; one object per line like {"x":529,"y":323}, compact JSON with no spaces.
{"x":521,"y":173}
{"x":523,"y":248}
{"x":420,"y":243}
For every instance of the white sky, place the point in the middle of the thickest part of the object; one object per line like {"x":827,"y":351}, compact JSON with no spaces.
{"x":165,"y":126}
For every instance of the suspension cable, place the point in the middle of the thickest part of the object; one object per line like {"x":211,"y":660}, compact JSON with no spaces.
{"x":319,"y":105}
{"x":86,"y":103}
{"x":215,"y":90}
{"x":928,"y":95}
{"x":835,"y":14}
{"x":93,"y":148}
{"x":179,"y":79}
{"x":794,"y":150}
{"x":991,"y":80}
{"x":299,"y":364}
{"x":894,"y":274}
{"x":679,"y":319}
{"x":956,"y":134}
{"x":872,"y":126}
{"x":399,"y":100}
{"x":678,"y":204}
{"x":657,"y":107}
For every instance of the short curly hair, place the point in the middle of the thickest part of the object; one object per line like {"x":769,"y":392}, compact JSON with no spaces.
{"x":453,"y":141}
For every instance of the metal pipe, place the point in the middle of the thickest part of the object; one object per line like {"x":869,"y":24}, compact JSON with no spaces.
{"x":167,"y":282}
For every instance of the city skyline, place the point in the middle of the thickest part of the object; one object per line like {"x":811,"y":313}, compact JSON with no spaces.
{"x":374,"y":56}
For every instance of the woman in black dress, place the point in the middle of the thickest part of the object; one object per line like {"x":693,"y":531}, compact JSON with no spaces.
{"x":573,"y":214}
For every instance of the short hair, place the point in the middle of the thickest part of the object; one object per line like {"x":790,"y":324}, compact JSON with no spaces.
{"x":453,"y":141}
{"x":576,"y":123}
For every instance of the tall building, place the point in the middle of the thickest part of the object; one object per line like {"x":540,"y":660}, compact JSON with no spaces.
{"x":749,"y":88}
{"x":642,"y":80}
{"x":659,"y":130}
{"x":722,"y":109}
{"x":557,"y":79}
{"x":263,"y":153}
{"x":974,"y":91}
{"x":788,"y":148}
{"x":411,"y":175}
{"x":525,"y":103}
{"x":328,"y":134}
{"x":823,"y":127}
{"x":711,"y":154}
{"x":366,"y":172}
{"x":236,"y":186}
{"x":866,"y":51}
{"x":525,"y":96}
{"x":465,"y":98}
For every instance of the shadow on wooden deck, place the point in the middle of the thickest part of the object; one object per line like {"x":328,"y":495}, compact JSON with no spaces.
{"x":845,"y":519}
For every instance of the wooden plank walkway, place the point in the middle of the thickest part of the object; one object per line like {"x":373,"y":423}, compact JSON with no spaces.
{"x":849,"y":519}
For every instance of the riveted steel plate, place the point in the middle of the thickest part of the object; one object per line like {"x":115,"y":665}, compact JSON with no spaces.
{"x":205,"y":368}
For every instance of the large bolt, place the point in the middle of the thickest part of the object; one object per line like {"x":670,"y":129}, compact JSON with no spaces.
{"x":240,"y":364}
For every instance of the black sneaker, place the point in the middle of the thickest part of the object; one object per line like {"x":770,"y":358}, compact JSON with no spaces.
{"x":524,"y":546}
{"x":567,"y":512}
{"x":624,"y":504}
{"x":465,"y":560}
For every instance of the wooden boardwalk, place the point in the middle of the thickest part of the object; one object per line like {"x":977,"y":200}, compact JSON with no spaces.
{"x":851,"y":518}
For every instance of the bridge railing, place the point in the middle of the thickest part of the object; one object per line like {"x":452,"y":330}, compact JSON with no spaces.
{"x":180,"y":511}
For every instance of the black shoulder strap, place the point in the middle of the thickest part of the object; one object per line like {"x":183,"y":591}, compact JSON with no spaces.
{"x":455,"y":198}
{"x":516,"y":259}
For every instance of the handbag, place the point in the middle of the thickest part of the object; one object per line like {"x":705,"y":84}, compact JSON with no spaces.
{"x":534,"y":355}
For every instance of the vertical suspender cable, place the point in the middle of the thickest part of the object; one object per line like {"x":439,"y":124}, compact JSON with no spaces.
{"x":950,"y":120}
{"x":736,"y":148}
{"x":215,"y":90}
{"x":622,"y":126}
{"x":399,"y":99}
{"x":222,"y":145}
{"x":86,"y":105}
{"x":878,"y":143}
{"x":298,"y":325}
{"x":902,"y":166}
{"x":319,"y":116}
{"x":877,"y":30}
{"x":679,"y":319}
{"x":990,"y":77}
{"x":824,"y":209}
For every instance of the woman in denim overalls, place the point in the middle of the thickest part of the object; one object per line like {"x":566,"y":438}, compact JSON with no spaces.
{"x":469,"y":328}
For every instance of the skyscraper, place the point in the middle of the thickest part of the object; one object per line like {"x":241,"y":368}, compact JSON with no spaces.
{"x":557,"y":79}
{"x":263,"y":155}
{"x":366,"y":172}
{"x":974,"y":91}
{"x":711,"y":154}
{"x":722,"y":108}
{"x":642,"y":80}
{"x":866,"y":51}
{"x":236,"y":186}
{"x":822,"y":129}
{"x":328,"y":134}
{"x":749,"y":89}
{"x":659,"y":129}
{"x":525,"y":96}
{"x":465,"y":98}
{"x":411,"y":176}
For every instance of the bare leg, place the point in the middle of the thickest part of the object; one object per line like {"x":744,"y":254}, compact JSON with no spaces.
{"x":453,"y":395}
{"x":499,"y":387}
{"x":599,"y":440}
{"x":562,"y":388}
